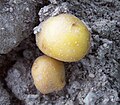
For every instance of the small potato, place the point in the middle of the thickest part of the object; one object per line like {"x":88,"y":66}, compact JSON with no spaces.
{"x":48,"y":74}
{"x":64,"y":37}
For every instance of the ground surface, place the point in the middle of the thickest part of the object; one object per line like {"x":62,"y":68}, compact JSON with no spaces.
{"x":95,"y":80}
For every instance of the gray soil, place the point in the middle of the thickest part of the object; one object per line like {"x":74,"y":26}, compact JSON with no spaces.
{"x":94,"y":80}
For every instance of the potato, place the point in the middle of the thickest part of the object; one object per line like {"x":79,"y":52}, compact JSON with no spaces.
{"x":48,"y":74}
{"x":64,"y":37}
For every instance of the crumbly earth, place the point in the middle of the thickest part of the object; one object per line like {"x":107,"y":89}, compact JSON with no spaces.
{"x":94,"y":80}
{"x":4,"y":96}
{"x":17,"y":19}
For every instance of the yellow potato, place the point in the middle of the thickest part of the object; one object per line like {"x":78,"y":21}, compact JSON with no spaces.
{"x":48,"y":74}
{"x":64,"y":37}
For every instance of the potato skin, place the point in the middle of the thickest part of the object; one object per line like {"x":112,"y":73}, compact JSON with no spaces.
{"x":48,"y":74}
{"x":64,"y":37}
